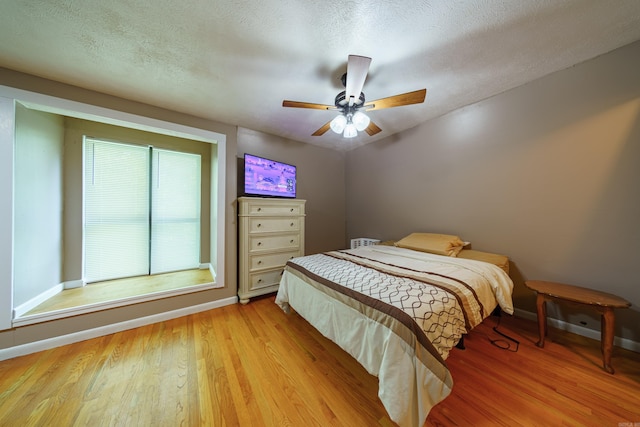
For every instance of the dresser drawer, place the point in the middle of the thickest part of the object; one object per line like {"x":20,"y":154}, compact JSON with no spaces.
{"x":274,"y":260}
{"x":263,"y":279}
{"x":275,"y":208}
{"x":265,"y":242}
{"x":267,"y":225}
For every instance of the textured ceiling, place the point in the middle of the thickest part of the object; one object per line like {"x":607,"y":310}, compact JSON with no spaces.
{"x":235,"y":61}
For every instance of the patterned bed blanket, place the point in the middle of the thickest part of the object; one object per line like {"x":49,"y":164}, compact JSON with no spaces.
{"x":398,"y":312}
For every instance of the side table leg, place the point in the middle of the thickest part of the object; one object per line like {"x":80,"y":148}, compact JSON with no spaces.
{"x":608,"y":326}
{"x":542,"y":318}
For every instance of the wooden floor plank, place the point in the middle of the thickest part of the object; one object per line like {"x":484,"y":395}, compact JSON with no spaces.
{"x":254,"y":365}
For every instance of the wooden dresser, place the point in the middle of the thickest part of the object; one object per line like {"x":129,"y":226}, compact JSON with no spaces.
{"x":271,"y":231}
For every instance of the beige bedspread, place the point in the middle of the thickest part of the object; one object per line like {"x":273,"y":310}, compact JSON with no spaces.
{"x":398,"y":312}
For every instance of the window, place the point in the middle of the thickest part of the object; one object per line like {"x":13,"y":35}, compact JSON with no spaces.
{"x":141,"y":210}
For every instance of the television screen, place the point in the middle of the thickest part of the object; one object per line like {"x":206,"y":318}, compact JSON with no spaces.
{"x":264,"y":177}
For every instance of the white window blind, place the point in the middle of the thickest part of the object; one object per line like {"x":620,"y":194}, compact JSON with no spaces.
{"x":116,"y":210}
{"x":175,"y":212}
{"x":141,"y":210}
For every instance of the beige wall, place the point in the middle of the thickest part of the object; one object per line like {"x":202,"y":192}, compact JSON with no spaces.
{"x":38,"y":207}
{"x":547,"y":174}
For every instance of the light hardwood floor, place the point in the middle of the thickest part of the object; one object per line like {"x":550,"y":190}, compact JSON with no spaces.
{"x":253,"y":365}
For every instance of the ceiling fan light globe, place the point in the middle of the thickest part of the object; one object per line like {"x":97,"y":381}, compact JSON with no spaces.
{"x":350,"y":131}
{"x":361,"y":121}
{"x":338,"y":123}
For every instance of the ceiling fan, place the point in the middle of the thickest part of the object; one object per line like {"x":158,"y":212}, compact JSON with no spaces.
{"x":351,"y":102}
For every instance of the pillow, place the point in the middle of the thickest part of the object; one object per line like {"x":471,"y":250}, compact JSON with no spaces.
{"x":501,"y":261}
{"x":439,"y":244}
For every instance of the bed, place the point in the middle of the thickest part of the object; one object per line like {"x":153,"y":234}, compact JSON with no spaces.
{"x":399,"y":310}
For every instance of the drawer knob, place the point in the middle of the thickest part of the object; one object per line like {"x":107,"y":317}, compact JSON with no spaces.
{"x":291,"y":241}
{"x":259,"y":243}
{"x":291,"y":209}
{"x":292,"y":224}
{"x":259,"y":225}
{"x":259,"y":209}
{"x":259,"y":262}
{"x":259,"y":280}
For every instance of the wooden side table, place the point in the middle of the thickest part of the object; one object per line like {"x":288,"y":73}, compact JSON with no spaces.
{"x":602,"y":302}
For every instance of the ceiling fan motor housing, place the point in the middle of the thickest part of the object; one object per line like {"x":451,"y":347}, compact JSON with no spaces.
{"x":341,"y":100}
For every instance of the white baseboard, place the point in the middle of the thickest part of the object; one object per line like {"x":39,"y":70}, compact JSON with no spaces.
{"x":213,"y":274}
{"x":37,"y":300}
{"x":33,"y":347}
{"x":579,"y":330}
{"x":208,"y":266}
{"x":72,"y":284}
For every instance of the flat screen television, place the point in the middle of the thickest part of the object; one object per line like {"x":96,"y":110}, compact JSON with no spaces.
{"x":268,"y":178}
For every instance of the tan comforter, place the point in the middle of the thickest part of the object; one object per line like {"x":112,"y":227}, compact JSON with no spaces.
{"x":398,"y":312}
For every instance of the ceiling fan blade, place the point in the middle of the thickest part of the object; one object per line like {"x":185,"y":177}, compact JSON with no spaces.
{"x":372,"y":129}
{"x":357,"y":69}
{"x":323,"y":129}
{"x":415,"y":97}
{"x":297,"y":104}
